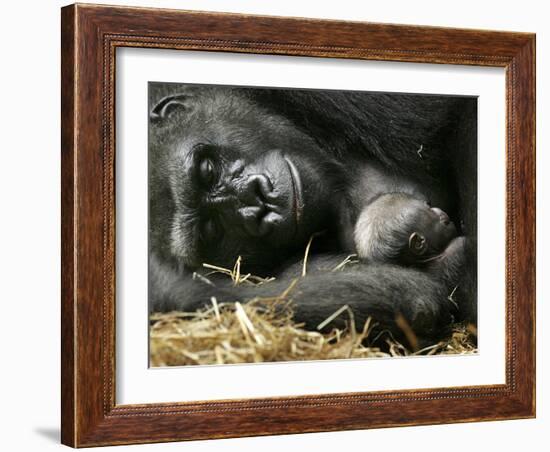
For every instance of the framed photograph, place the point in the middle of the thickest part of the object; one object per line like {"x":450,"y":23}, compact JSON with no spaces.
{"x":281,"y":225}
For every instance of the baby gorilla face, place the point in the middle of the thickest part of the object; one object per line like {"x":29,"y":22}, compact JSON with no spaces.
{"x":431,"y":229}
{"x":400,"y":228}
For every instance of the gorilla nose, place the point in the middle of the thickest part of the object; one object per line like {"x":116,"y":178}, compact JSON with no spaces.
{"x":443,"y":217}
{"x":256,"y":190}
{"x":255,"y":195}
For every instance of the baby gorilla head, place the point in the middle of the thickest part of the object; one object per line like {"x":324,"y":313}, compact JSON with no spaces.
{"x":399,"y":228}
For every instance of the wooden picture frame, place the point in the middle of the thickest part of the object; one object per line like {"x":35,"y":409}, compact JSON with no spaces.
{"x":90,"y":36}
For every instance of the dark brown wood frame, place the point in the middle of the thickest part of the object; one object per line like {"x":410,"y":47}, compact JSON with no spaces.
{"x":90,"y":35}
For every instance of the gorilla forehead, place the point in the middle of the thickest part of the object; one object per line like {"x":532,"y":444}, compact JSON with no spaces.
{"x":229,"y":118}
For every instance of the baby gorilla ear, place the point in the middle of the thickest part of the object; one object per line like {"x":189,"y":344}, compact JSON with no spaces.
{"x":168,"y":105}
{"x":418,"y":244}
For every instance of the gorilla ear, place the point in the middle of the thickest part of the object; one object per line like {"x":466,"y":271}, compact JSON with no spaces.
{"x":168,"y":105}
{"x":418,"y":244}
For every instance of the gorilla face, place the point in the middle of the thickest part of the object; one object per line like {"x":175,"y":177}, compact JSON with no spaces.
{"x":243,"y":182}
{"x":432,"y":225}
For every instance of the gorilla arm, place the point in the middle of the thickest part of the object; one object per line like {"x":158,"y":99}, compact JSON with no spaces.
{"x":450,"y":264}
{"x":457,"y":270}
{"x":382,"y":292}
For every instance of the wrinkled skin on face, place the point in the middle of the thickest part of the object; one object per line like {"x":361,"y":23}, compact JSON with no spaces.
{"x":429,"y":228}
{"x":240,"y":182}
{"x":434,"y":226}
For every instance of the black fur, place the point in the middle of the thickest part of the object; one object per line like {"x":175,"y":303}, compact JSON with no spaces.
{"x":349,"y":147}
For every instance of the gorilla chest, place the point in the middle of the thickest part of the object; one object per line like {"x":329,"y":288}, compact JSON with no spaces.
{"x":370,"y":182}
{"x":373,"y":181}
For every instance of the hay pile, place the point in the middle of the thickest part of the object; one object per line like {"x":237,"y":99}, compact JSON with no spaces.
{"x":263,"y":330}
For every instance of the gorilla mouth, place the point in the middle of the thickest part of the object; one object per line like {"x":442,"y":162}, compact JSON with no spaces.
{"x":296,"y":189}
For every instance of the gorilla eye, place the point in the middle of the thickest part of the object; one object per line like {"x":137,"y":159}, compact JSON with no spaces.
{"x":207,"y":172}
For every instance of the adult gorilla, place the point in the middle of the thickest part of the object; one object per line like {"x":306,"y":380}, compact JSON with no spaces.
{"x":256,"y":172}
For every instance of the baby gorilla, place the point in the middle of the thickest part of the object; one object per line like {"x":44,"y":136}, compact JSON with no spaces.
{"x":398,"y":228}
